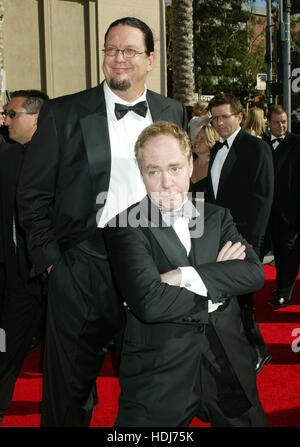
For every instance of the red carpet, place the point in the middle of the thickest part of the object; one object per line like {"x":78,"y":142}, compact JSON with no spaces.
{"x":278,"y":383}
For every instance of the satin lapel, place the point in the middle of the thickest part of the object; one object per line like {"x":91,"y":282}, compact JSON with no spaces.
{"x":159,"y":108}
{"x":97,"y":144}
{"x":212,"y":156}
{"x":171,"y":246}
{"x":197,"y":255}
{"x":281,"y":153}
{"x":167,"y":239}
{"x":228,"y":164}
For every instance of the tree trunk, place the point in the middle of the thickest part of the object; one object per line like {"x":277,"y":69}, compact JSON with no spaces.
{"x":183,"y":51}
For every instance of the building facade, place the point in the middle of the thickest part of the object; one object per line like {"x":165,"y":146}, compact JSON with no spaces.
{"x":55,"y":45}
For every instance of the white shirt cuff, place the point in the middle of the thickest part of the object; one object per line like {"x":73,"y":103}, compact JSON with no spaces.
{"x":190,"y":280}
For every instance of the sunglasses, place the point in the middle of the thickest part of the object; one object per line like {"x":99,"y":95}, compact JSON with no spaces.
{"x":12,"y":114}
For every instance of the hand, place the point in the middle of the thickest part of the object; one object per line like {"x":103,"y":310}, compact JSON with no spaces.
{"x":49,"y":269}
{"x":173,"y":277}
{"x":232,"y":251}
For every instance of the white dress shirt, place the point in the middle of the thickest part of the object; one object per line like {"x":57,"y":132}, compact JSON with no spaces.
{"x":219,"y":161}
{"x":276,"y":144}
{"x":126,"y":186}
{"x":190,"y":278}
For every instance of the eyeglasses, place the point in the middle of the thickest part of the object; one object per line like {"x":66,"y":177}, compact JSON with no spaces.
{"x":215,"y":119}
{"x":12,"y":114}
{"x":127,"y":52}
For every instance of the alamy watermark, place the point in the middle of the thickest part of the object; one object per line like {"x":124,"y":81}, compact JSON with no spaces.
{"x":2,"y":340}
{"x":296,"y":341}
{"x":147,"y":213}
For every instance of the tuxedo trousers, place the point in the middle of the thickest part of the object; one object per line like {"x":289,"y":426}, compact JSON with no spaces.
{"x":2,"y":285}
{"x":223,"y":402}
{"x":21,"y":318}
{"x":252,"y":330}
{"x":195,"y":380}
{"x":84,"y":313}
{"x":286,"y":249}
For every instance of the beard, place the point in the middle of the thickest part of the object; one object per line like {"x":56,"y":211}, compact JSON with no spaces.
{"x":119,"y":85}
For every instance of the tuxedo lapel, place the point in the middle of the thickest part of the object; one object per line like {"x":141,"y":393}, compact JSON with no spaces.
{"x":96,"y":140}
{"x":171,"y":246}
{"x":199,"y":251}
{"x":228,"y":165}
{"x":165,"y":236}
{"x":159,"y":108}
{"x":281,"y":153}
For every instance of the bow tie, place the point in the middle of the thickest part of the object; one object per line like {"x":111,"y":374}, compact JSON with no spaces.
{"x":140,"y":108}
{"x":220,"y":144}
{"x":188,"y":211}
{"x":277,"y":139}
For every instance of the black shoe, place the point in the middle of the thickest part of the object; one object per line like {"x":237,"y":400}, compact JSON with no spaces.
{"x":279,"y":302}
{"x":282,"y":296}
{"x":261,"y":362}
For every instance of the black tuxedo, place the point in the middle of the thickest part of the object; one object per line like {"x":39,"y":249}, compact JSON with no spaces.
{"x":21,"y":312}
{"x":68,"y":164}
{"x":2,"y":270}
{"x":246,"y":188}
{"x":285,"y":214}
{"x":168,"y":328}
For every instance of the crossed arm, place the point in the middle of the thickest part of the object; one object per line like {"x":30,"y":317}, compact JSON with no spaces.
{"x":150,"y":294}
{"x":229,"y":252}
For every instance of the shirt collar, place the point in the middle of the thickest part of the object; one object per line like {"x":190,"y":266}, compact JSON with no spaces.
{"x":111,"y":98}
{"x":275,"y":138}
{"x":187,"y":210}
{"x":231,"y":139}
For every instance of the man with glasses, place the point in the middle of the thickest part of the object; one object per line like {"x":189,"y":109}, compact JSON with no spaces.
{"x":81,"y":171}
{"x":240,"y":177}
{"x":21,"y":315}
{"x":21,"y":114}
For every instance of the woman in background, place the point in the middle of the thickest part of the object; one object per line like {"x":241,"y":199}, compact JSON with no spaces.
{"x":203,"y":141}
{"x":200,"y":116}
{"x":255,"y":122}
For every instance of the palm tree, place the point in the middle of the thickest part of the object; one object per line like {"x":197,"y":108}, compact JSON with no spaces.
{"x":183,"y":51}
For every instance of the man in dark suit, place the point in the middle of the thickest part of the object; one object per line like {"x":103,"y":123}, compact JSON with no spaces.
{"x":284,"y":224}
{"x":79,"y":172}
{"x":240,"y":177}
{"x":2,"y":146}
{"x":184,"y":353}
{"x":21,"y":315}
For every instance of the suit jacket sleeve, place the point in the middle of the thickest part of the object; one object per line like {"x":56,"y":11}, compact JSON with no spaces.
{"x":261,"y":197}
{"x":138,"y":276}
{"x":231,"y":278}
{"x":36,"y":192}
{"x":138,"y":279}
